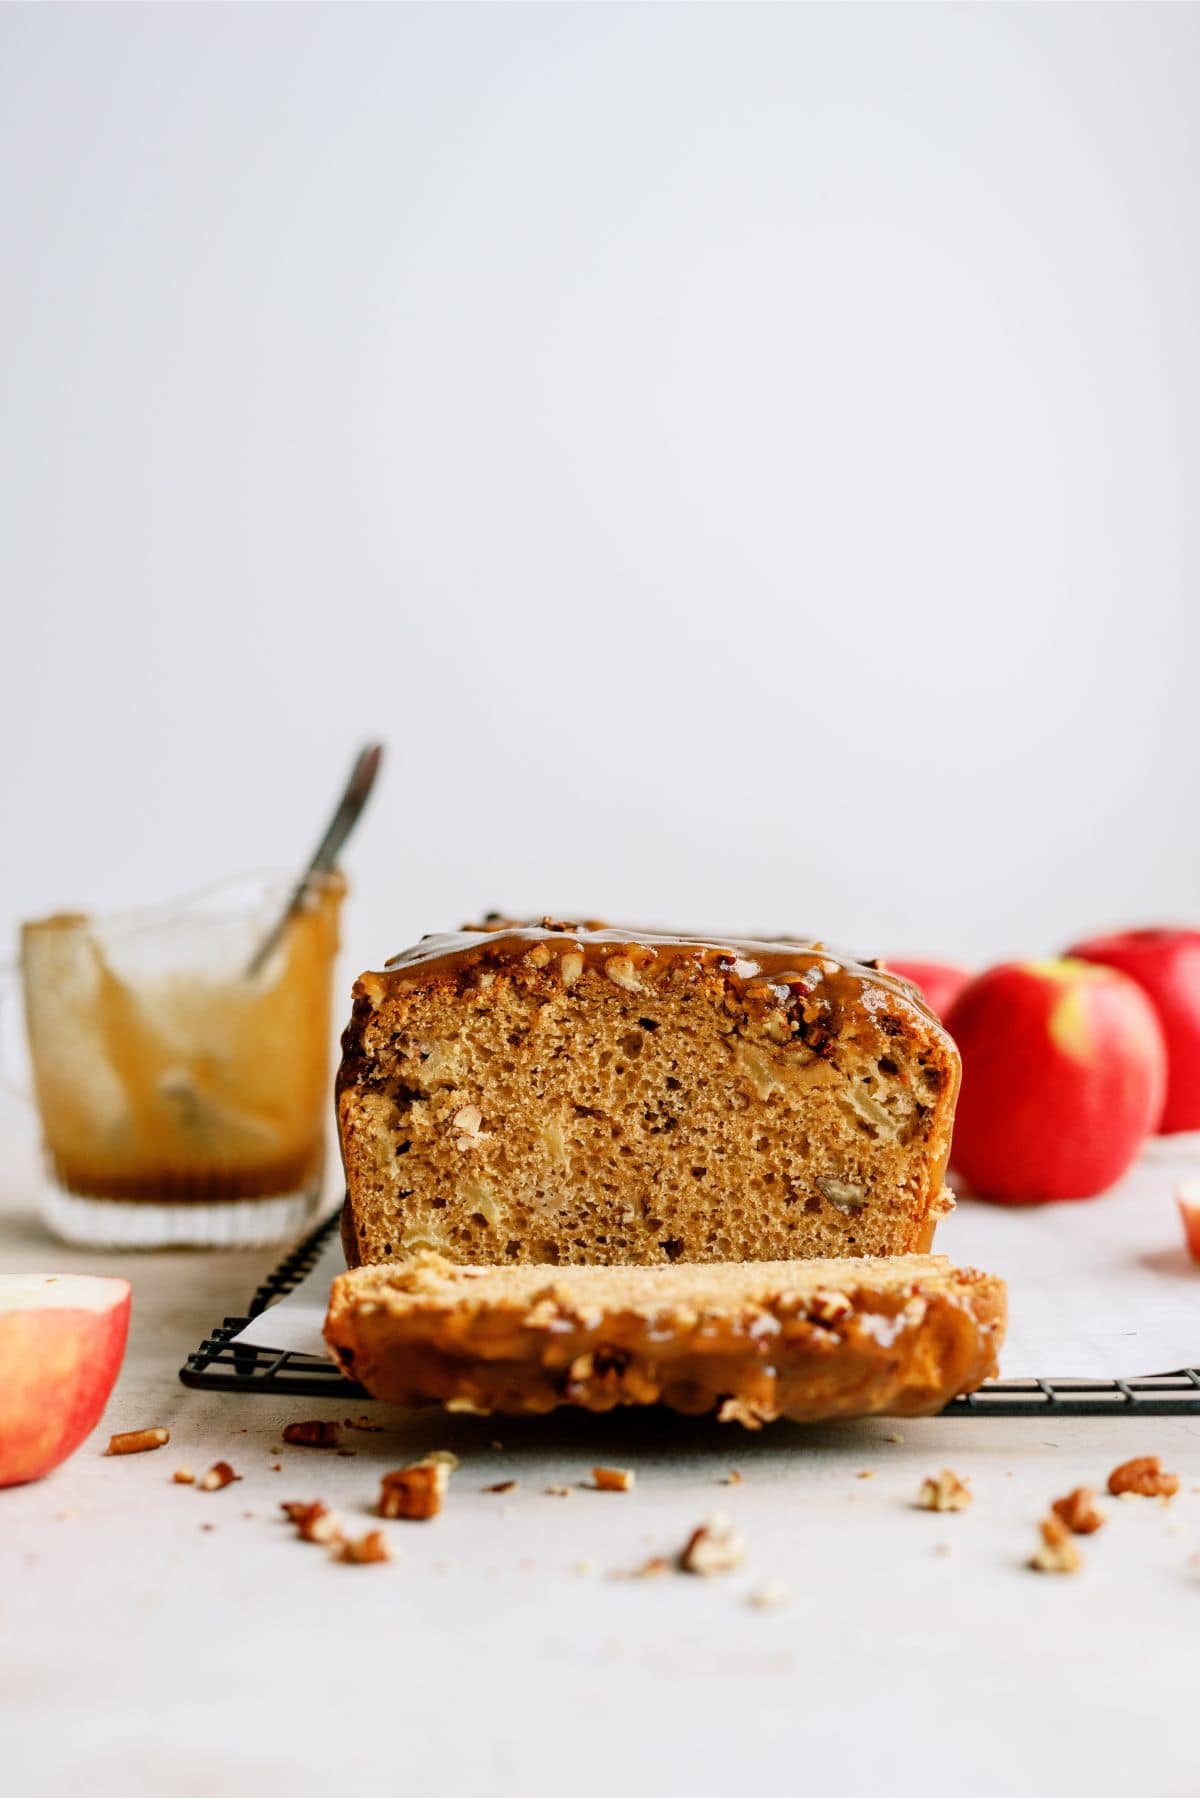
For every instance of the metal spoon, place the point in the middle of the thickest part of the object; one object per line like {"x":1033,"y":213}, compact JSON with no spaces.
{"x":324,"y":856}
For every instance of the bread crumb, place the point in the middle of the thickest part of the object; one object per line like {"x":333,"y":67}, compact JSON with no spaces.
{"x":769,"y":1597}
{"x":183,"y":1476}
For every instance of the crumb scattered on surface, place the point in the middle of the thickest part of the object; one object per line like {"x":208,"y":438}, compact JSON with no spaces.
{"x":362,"y":1423}
{"x":583,"y":1567}
{"x":769,"y":1596}
{"x":732,"y":1478}
{"x":1143,"y":1477}
{"x":183,"y":1476}
{"x":502,"y":1486}
{"x":650,"y":1568}
{"x":347,"y":1451}
{"x":558,"y":1492}
{"x":865,"y":1473}
{"x":944,"y":1492}
{"x":894,"y":1436}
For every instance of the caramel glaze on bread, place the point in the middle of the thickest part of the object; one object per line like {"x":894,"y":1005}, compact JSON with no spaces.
{"x":570,"y":1093}
{"x":748,"y":1341}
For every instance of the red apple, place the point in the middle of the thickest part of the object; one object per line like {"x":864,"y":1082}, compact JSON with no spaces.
{"x":1166,"y":965}
{"x":62,"y":1339}
{"x":938,"y":982}
{"x":1063,"y":1074}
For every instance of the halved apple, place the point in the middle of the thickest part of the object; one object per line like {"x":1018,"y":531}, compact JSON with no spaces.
{"x":62,"y":1340}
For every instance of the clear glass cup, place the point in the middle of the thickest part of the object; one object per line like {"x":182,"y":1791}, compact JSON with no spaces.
{"x":183,"y":1100}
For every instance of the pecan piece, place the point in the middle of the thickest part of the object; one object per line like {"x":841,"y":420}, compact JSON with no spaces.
{"x":1057,"y":1553}
{"x":1079,"y":1511}
{"x":219,"y":1475}
{"x":314,"y":1522}
{"x":716,"y":1547}
{"x":137,"y":1442}
{"x":315,"y":1433}
{"x":614,"y":1479}
{"x":945,"y":1492}
{"x":416,"y":1491}
{"x":361,"y":1551}
{"x":1143,"y":1475}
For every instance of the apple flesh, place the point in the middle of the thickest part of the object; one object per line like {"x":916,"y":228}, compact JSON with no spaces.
{"x":938,"y":982}
{"x":62,"y":1340}
{"x":1063,"y":1072}
{"x":1166,"y":965}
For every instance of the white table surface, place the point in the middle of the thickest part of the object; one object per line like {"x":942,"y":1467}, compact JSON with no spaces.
{"x":141,"y":1653}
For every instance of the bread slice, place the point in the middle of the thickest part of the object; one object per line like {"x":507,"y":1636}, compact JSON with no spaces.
{"x":748,"y":1341}
{"x":573,"y":1094}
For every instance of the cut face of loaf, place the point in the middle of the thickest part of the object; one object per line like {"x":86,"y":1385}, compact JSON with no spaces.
{"x":559,"y":1094}
{"x":748,"y":1342}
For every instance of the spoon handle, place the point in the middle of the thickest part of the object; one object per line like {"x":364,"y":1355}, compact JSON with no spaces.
{"x":324,"y":856}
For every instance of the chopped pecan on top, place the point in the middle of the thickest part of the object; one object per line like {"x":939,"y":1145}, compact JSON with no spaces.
{"x":614,"y":1479}
{"x":1057,"y":1552}
{"x":944,"y":1492}
{"x":715,"y":1547}
{"x":312,"y":1433}
{"x":138,"y":1442}
{"x":1144,"y":1476}
{"x":1079,"y":1511}
{"x":416,"y":1491}
{"x":219,"y":1475}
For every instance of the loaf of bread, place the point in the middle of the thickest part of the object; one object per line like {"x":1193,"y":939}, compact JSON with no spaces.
{"x":747,"y":1341}
{"x":575,"y":1094}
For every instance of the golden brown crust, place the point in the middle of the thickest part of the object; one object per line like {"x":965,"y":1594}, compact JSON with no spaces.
{"x":578,"y":1094}
{"x":750,"y":1342}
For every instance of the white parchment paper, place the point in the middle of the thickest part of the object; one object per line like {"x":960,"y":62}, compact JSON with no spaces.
{"x":1099,"y":1289}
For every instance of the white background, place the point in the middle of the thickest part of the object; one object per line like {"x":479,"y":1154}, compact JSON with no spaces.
{"x":744,"y":460}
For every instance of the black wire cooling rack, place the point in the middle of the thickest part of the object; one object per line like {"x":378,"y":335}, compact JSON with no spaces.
{"x":222,"y":1365}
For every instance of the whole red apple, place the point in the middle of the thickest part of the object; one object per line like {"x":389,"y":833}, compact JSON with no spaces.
{"x":62,"y":1339}
{"x":1063,"y":1074}
{"x":938,"y":982}
{"x":1166,"y":965}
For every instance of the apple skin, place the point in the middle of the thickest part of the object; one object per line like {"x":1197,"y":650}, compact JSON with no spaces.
{"x":62,"y":1341}
{"x":938,"y":982}
{"x":1166,"y":965}
{"x":1064,"y":1069}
